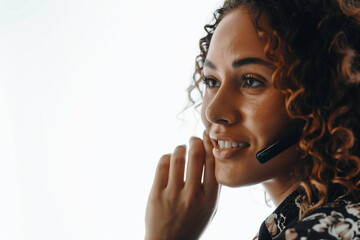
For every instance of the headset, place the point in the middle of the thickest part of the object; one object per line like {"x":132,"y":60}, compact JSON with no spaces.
{"x":278,"y":147}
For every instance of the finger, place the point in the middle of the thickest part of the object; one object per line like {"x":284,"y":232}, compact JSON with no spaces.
{"x":210,"y":183}
{"x":162,"y":173}
{"x":195,"y":163}
{"x":177,"y":167}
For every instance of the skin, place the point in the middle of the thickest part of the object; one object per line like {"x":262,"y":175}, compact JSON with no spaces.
{"x":240,"y":105}
{"x":178,"y":209}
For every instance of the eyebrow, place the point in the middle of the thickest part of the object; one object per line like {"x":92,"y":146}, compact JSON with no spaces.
{"x":242,"y":62}
{"x":209,"y":64}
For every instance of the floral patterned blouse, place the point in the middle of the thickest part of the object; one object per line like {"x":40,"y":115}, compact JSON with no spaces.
{"x":338,"y":219}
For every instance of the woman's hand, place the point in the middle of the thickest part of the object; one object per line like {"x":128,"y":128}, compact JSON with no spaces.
{"x":178,"y":209}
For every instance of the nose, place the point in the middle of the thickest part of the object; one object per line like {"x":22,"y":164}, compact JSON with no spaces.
{"x":223,"y":108}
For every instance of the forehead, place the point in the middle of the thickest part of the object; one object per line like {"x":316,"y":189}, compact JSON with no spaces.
{"x":236,"y":37}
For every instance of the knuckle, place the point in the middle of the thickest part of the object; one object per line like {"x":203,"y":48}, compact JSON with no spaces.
{"x":154,"y":197}
{"x":178,"y":161}
{"x":196,"y":150}
{"x":164,"y":162}
{"x":196,"y":153}
{"x":178,"y":157}
{"x":192,"y":197}
{"x":172,"y":198}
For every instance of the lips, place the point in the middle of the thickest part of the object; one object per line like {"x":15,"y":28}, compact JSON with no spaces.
{"x":225,"y":148}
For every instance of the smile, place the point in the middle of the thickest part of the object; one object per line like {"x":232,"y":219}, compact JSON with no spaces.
{"x":228,"y":144}
{"x":227,"y":149}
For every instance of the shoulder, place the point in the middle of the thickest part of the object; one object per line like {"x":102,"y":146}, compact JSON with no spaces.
{"x":339,"y":219}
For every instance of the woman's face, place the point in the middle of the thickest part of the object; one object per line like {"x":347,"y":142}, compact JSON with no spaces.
{"x":242,"y":111}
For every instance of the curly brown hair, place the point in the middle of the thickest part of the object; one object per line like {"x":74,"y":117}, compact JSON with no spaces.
{"x":316,"y":45}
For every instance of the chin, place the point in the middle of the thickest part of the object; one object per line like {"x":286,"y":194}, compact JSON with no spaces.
{"x":230,"y":179}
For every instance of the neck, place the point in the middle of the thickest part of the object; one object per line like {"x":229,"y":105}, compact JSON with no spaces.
{"x":278,"y":189}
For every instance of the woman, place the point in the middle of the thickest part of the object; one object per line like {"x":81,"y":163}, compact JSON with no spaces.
{"x":271,"y":68}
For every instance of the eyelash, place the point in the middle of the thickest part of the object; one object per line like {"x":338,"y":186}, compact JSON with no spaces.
{"x":207,"y":82}
{"x":245,"y":80}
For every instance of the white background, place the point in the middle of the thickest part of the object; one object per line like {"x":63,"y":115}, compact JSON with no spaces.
{"x":90,"y":96}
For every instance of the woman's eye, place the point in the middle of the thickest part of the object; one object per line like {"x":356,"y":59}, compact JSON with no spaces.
{"x":210,"y":82}
{"x":249,"y":81}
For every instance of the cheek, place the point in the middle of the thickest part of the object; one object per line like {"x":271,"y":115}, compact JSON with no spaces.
{"x":266,"y":118}
{"x":269,"y":120}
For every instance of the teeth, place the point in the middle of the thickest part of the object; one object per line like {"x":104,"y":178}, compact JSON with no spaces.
{"x":222,"y":144}
{"x":228,"y":144}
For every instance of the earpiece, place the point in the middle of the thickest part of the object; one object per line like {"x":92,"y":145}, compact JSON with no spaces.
{"x":268,"y":153}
